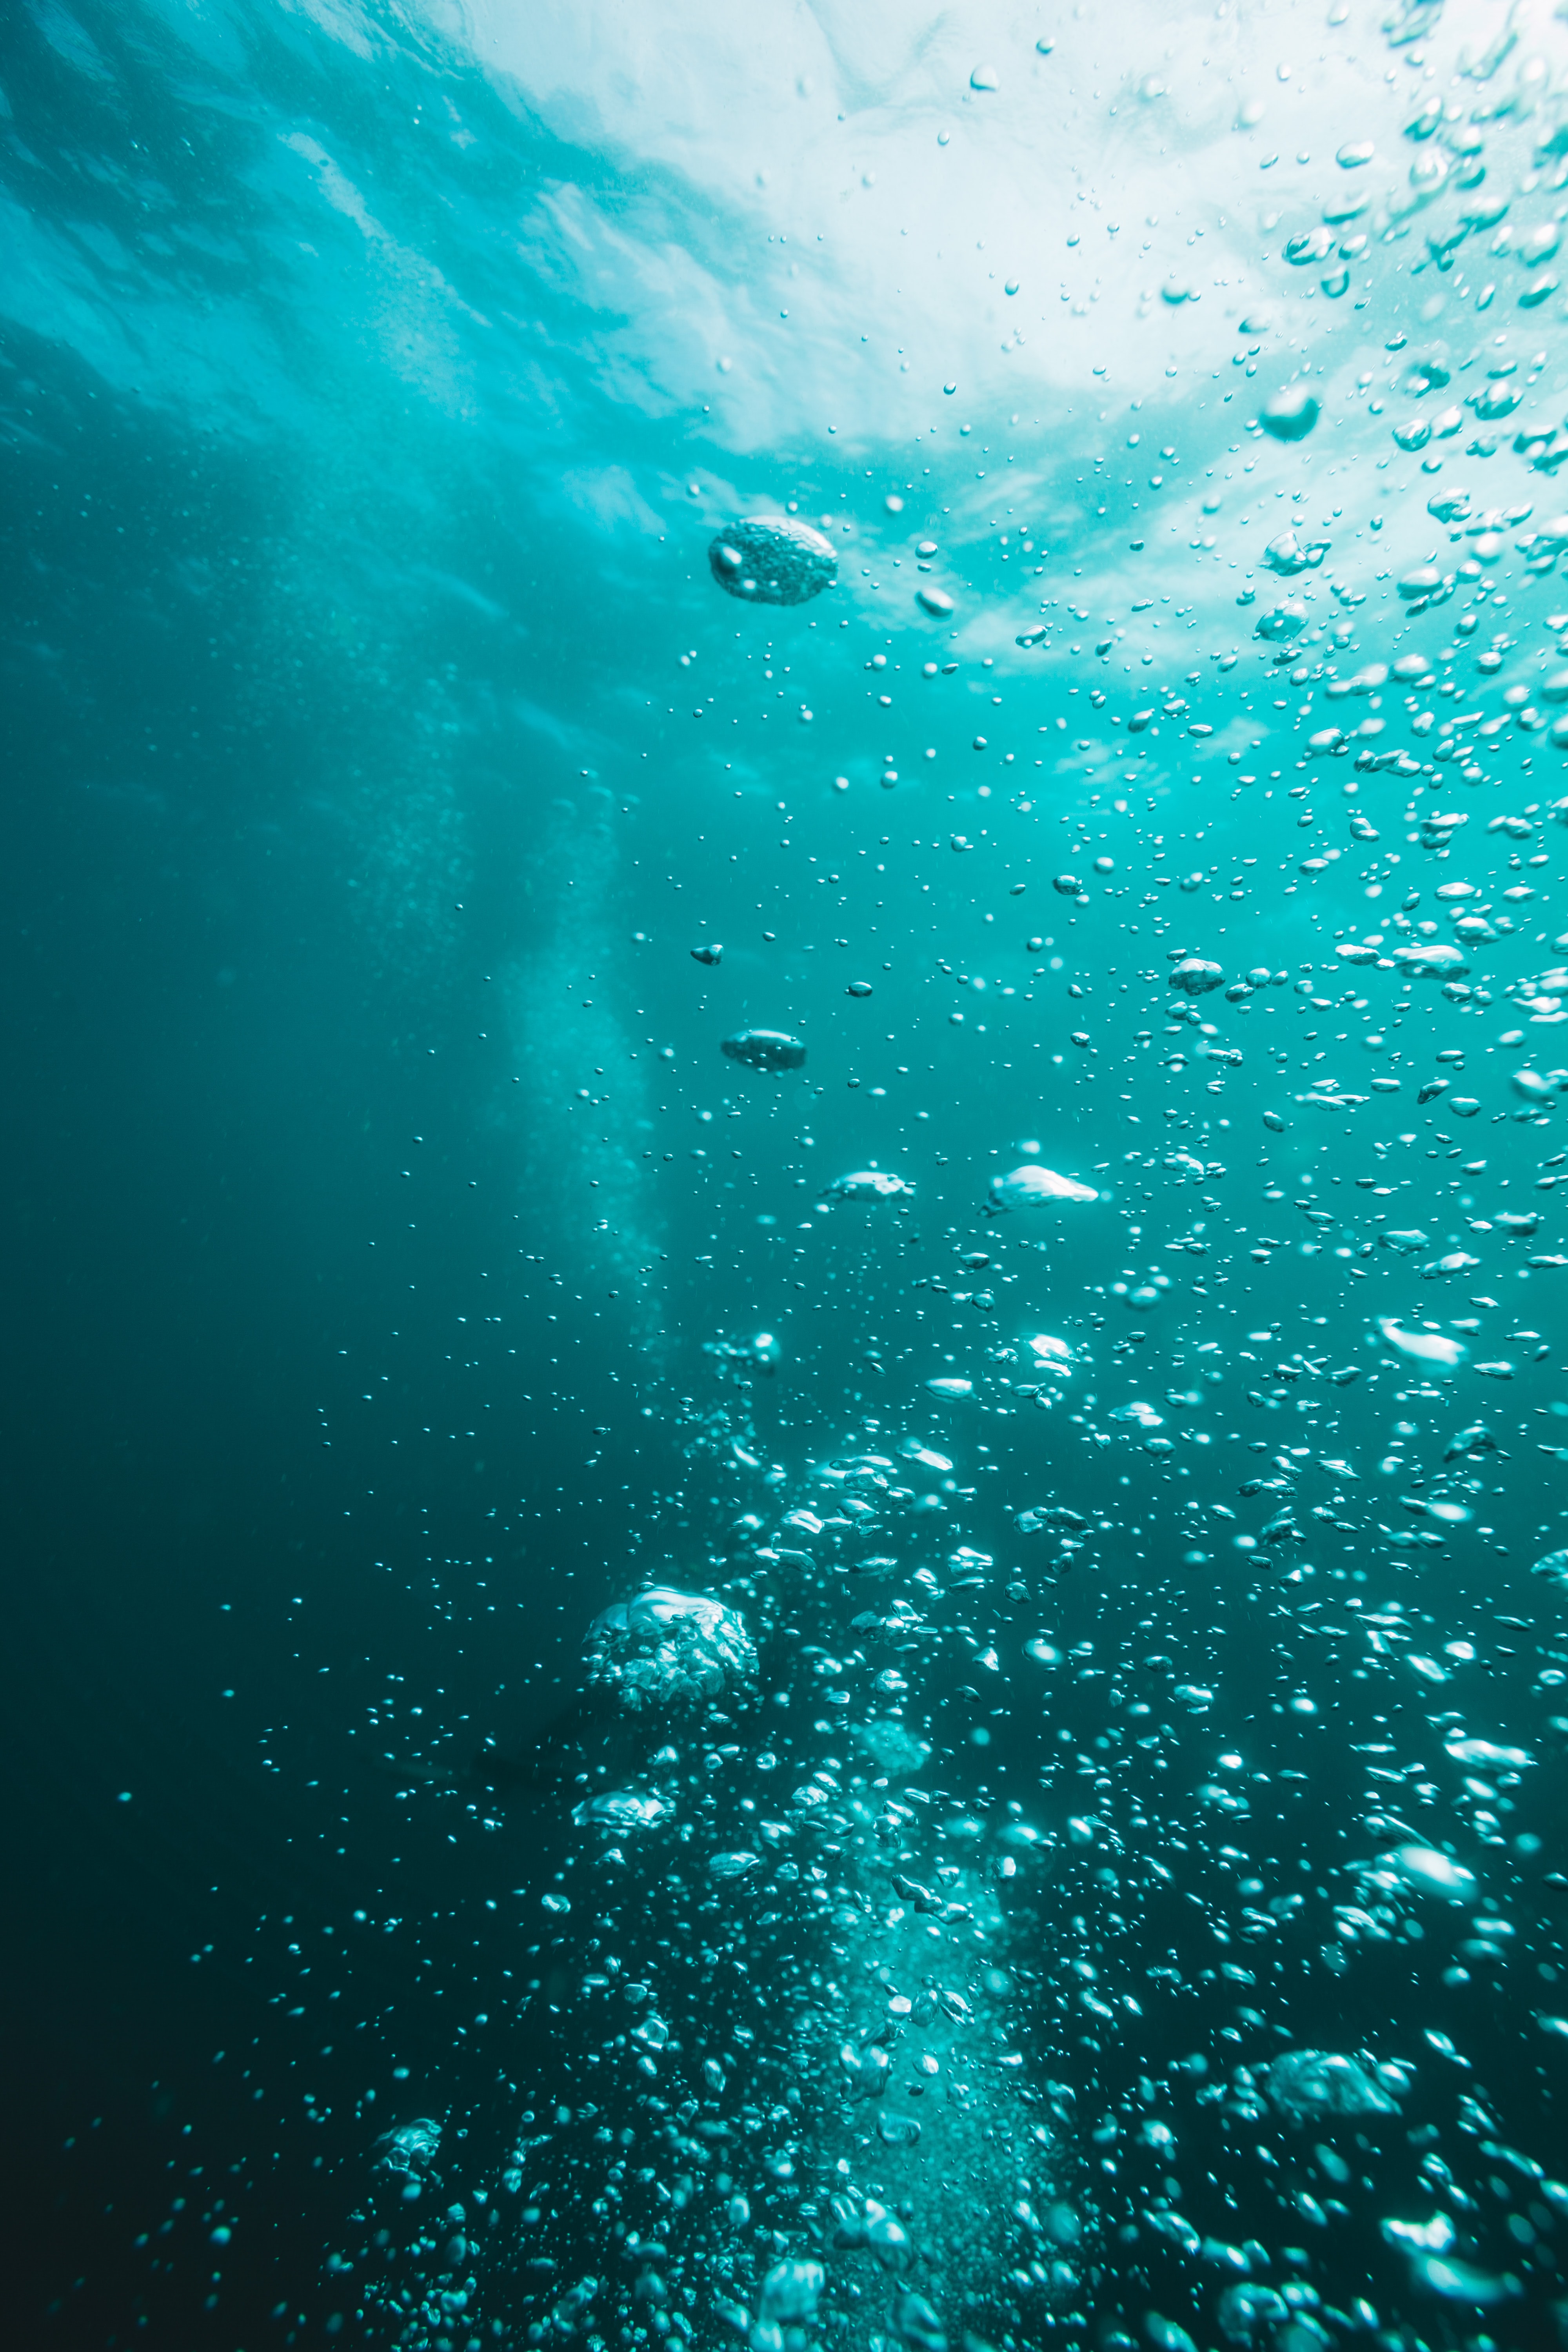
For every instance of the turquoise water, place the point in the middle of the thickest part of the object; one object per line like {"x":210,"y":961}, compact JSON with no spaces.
{"x":897,"y":1688}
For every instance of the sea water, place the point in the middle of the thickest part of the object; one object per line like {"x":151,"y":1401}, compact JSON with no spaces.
{"x":695,"y":1671}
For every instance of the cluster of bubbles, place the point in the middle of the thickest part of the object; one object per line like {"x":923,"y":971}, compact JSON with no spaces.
{"x":662,"y":1648}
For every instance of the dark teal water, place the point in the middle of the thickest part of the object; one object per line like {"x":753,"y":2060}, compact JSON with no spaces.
{"x":400,"y":1275}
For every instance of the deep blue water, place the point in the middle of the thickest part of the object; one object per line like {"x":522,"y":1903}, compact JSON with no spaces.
{"x":401,"y":1276}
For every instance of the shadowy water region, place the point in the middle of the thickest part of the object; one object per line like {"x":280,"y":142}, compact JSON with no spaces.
{"x":685,"y":1670}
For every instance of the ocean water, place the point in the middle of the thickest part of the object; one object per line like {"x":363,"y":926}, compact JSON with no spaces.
{"x":683,"y":1668}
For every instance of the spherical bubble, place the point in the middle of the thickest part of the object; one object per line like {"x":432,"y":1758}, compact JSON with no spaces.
{"x":1426,"y":1871}
{"x":772,"y":560}
{"x":664,"y":1648}
{"x":1308,"y":2083}
{"x":1282,"y":623}
{"x":624,"y":1810}
{"x":732,"y":1866}
{"x":790,"y":2291}
{"x":765,"y":1049}
{"x":409,"y":2148}
{"x":1289,"y":414}
{"x":1195,"y":976}
{"x":870,"y":1184}
{"x":1248,"y":2312}
{"x":1031,"y":1186}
